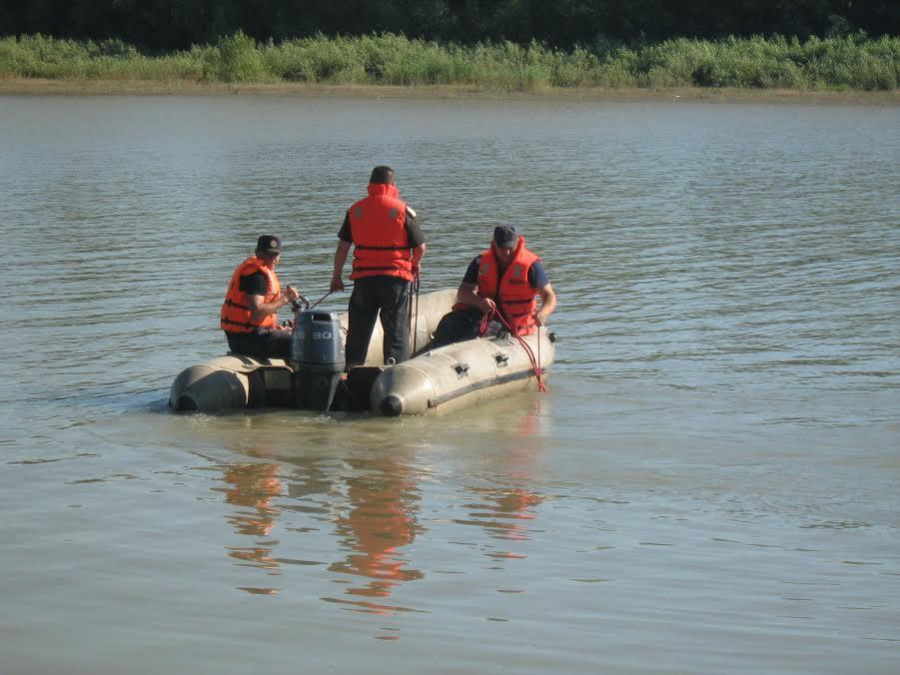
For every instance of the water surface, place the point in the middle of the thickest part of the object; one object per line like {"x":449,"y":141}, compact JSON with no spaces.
{"x":710,"y":485}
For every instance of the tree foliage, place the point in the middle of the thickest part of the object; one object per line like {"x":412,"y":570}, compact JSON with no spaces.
{"x":161,"y":25}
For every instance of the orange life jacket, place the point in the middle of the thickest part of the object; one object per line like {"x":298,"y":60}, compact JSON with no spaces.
{"x":380,"y":238}
{"x":515,"y":297}
{"x":235,"y":317}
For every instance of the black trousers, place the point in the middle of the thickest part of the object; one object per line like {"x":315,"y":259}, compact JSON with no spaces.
{"x":460,"y":325}
{"x":265,"y":343}
{"x":390,"y":295}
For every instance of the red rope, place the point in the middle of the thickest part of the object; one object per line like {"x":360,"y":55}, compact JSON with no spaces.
{"x":535,"y":362}
{"x":486,"y":321}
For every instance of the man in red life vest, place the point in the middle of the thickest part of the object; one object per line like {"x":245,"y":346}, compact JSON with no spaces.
{"x":505,"y":278}
{"x":250,"y":311}
{"x":388,"y":249}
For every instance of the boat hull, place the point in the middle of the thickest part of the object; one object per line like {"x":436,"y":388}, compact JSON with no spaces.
{"x":232,"y":382}
{"x":462,"y":374}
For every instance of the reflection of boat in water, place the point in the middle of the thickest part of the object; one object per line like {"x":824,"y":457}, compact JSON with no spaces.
{"x":432,"y":382}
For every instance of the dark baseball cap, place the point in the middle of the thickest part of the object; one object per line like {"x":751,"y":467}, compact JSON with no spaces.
{"x":506,"y":236}
{"x":268,"y":243}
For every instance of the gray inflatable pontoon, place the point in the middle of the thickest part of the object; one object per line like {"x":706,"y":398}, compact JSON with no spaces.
{"x":433,"y":382}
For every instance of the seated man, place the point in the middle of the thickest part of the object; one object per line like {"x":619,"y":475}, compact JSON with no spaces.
{"x":505,"y":279}
{"x":250,"y":311}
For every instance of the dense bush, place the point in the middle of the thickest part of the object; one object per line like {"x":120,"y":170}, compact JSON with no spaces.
{"x":236,"y":59}
{"x":848,"y":62}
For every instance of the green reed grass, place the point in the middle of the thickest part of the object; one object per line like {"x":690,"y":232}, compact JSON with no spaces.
{"x":854,"y":62}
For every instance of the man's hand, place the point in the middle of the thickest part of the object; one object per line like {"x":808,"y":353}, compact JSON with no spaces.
{"x":337,"y":283}
{"x":291,"y":294}
{"x":416,"y":267}
{"x":487,"y":305}
{"x":548,"y":304}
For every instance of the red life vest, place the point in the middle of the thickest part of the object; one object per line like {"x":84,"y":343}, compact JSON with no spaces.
{"x":235,"y":317}
{"x":380,"y":238}
{"x":514,"y":295}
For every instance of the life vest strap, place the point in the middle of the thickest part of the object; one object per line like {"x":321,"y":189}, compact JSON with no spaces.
{"x":240,"y":324}
{"x":370,"y":268}
{"x":232,"y":303}
{"x":364,"y":247}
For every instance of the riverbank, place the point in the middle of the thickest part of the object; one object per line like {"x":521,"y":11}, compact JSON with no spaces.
{"x":85,"y":87}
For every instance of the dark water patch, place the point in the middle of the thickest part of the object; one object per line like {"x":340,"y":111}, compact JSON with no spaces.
{"x":373,"y":607}
{"x":302,"y":563}
{"x":257,"y":590}
{"x":104,"y":479}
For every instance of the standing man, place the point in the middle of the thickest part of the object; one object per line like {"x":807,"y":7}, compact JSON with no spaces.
{"x":388,"y":249}
{"x":250,"y":311}
{"x":505,"y":278}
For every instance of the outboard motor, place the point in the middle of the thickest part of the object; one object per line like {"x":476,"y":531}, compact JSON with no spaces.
{"x":317,"y":358}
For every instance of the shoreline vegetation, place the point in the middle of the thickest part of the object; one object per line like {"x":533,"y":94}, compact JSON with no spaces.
{"x":852,"y":69}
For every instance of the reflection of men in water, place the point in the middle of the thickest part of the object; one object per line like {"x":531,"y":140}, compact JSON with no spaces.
{"x":250,"y":311}
{"x":253,"y":486}
{"x":503,"y":279}
{"x":505,"y":508}
{"x":380,"y":523}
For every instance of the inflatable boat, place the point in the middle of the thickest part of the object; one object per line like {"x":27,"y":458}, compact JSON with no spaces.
{"x":436,"y":381}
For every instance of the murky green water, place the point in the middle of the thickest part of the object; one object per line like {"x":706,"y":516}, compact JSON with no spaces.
{"x":711,"y":484}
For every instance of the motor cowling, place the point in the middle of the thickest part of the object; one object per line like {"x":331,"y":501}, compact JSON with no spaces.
{"x":317,"y":358}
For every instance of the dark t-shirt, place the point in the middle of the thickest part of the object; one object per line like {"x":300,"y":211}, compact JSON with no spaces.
{"x":254,"y":284}
{"x":414,"y":232}
{"x":537,"y":275}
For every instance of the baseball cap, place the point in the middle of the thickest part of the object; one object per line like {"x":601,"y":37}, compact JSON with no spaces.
{"x":268,"y":243}
{"x":506,"y":236}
